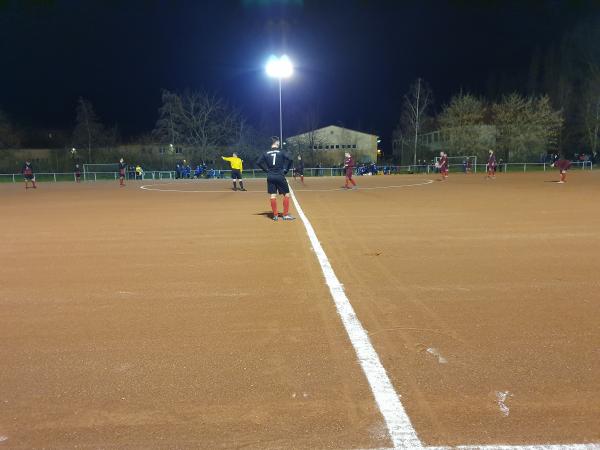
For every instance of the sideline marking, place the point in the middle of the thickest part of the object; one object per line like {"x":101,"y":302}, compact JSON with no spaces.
{"x":512,"y":447}
{"x":400,"y":429}
{"x":426,"y":182}
{"x":151,"y":187}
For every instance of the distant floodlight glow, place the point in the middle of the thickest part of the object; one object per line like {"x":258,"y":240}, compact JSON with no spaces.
{"x":279,"y":67}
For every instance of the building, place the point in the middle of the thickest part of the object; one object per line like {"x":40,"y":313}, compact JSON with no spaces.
{"x":327,"y":145}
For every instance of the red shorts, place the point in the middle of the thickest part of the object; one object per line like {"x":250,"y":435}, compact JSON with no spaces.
{"x":349,"y":171}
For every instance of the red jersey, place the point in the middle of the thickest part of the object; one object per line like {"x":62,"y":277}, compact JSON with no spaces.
{"x":443,"y":162}
{"x":563,"y":164}
{"x":492,"y":160}
{"x":349,"y":162}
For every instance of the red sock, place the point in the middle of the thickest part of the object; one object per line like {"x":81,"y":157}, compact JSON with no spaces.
{"x":274,"y":207}
{"x":352,"y":181}
{"x":302,"y":178}
{"x":286,"y":205}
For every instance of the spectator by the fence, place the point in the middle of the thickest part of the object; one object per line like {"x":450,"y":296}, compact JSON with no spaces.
{"x":199,"y":171}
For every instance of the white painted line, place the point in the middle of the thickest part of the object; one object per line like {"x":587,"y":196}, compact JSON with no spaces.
{"x":521,"y":447}
{"x":360,"y":188}
{"x":400,"y":429}
{"x":157,"y":187}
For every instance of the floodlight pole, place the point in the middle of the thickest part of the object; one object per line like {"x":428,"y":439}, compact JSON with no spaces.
{"x":280,"y":118}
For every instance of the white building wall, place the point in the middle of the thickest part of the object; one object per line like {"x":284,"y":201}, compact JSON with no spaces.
{"x":329,"y":144}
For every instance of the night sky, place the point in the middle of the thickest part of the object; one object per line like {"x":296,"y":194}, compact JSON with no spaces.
{"x":355,"y":59}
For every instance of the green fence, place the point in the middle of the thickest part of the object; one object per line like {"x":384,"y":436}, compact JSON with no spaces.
{"x":158,"y":175}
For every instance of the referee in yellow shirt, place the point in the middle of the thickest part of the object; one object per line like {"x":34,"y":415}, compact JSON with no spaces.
{"x":236,"y":170}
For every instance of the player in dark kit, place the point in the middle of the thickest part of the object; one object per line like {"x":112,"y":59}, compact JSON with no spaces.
{"x":28,"y":175}
{"x":562,"y":165}
{"x":349,"y":169}
{"x":122,"y":168}
{"x":299,"y":169}
{"x":277,"y":164}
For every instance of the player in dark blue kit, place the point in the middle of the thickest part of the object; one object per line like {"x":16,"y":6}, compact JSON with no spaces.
{"x":277,"y":164}
{"x":122,"y":167}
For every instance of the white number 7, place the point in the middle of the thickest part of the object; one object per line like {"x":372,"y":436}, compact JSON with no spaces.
{"x":274,"y":156}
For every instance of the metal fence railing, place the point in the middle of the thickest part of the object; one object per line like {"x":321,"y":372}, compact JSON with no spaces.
{"x":153,"y":175}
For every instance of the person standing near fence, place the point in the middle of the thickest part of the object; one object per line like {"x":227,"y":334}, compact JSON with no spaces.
{"x":349,"y":170}
{"x":122,"y":168}
{"x":299,"y":169}
{"x":491,"y":165}
{"x":28,"y":175}
{"x":237,"y":166}
{"x":562,"y":165}
{"x":277,"y":164}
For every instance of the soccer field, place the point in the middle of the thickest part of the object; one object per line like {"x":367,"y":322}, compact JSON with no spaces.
{"x":178,"y":315}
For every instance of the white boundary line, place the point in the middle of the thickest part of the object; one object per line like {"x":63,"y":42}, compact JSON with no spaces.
{"x":400,"y":429}
{"x":510,"y":447}
{"x":150,"y":187}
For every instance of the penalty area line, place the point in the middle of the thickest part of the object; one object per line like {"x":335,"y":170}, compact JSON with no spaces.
{"x":400,"y":429}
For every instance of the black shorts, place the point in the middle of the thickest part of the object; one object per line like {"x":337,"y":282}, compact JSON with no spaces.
{"x":236,"y":174}
{"x":299,"y":171}
{"x":277,"y":184}
{"x":29,"y":177}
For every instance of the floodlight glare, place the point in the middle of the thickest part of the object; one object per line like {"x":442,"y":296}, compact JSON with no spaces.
{"x":279,"y":67}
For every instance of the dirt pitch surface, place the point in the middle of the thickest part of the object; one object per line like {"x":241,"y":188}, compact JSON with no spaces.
{"x":181,"y":316}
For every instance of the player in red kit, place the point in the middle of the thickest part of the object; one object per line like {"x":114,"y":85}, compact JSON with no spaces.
{"x":28,"y":175}
{"x":442,"y":165}
{"x":491,"y":165}
{"x":349,"y":170}
{"x":299,"y":169}
{"x":562,"y":165}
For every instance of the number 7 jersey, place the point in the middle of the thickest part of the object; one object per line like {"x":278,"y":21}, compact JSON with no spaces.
{"x":275,"y":162}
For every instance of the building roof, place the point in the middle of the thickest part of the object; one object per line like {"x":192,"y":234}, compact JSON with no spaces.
{"x":318,"y":130}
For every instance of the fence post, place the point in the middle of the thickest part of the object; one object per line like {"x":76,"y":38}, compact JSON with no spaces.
{"x":54,"y":177}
